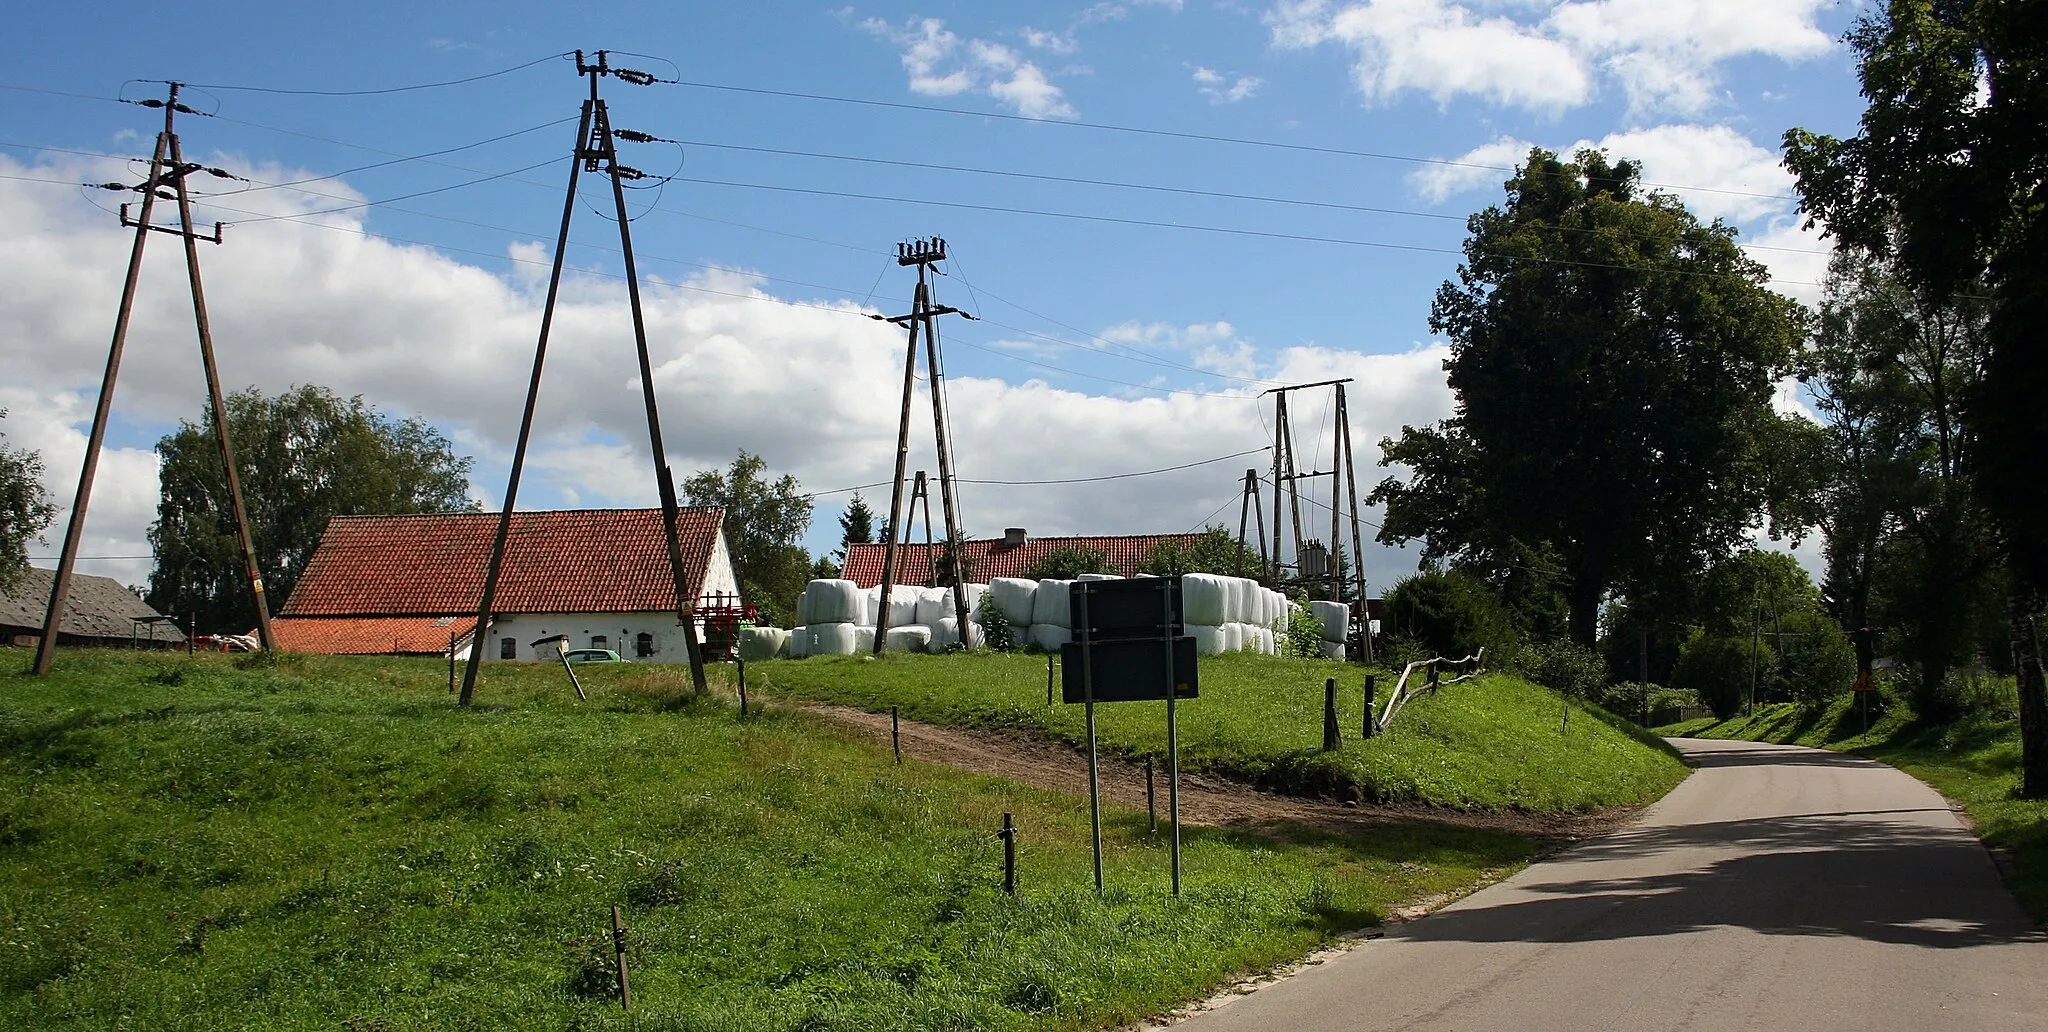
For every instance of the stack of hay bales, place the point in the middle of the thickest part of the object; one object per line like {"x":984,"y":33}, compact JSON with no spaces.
{"x":826,"y":616}
{"x":838,"y":618}
{"x":1231,"y":614}
{"x":1335,"y":621}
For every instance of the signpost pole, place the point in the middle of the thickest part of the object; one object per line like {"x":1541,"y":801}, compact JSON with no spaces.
{"x":1088,"y":704}
{"x":1172,"y":734}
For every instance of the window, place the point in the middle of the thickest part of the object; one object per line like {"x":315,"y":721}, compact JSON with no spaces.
{"x":643,"y":645}
{"x":508,"y":648}
{"x":597,"y":641}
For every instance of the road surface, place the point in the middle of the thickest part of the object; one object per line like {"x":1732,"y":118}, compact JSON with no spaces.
{"x":1777,"y":889}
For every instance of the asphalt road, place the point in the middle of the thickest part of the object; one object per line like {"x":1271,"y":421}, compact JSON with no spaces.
{"x":1777,"y":889}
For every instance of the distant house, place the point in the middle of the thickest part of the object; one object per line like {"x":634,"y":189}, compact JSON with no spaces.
{"x":1008,"y":556}
{"x":99,"y":611}
{"x":383,"y":585}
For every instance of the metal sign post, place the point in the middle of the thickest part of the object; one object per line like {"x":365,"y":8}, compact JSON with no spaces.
{"x":1088,"y":705}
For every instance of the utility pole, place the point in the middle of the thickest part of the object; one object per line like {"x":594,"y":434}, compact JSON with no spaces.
{"x":1286,"y":480}
{"x":1249,"y":506}
{"x":1357,"y":538}
{"x":596,"y":151}
{"x":924,"y":255}
{"x":168,"y":171}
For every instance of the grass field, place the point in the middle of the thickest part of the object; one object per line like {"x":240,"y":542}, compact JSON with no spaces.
{"x":325,"y":843}
{"x":1491,"y":744}
{"x":1974,"y":761}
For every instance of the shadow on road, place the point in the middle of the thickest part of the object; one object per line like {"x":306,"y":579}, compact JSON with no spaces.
{"x":1873,"y":875}
{"x":1778,"y":758}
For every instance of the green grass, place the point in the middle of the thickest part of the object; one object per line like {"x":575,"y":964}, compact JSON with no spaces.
{"x":326,"y":843}
{"x":1974,"y":760}
{"x":1496,"y":743}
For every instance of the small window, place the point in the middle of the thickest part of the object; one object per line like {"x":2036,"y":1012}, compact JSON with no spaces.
{"x":508,"y":648}
{"x":598,"y":641}
{"x":643,"y":645}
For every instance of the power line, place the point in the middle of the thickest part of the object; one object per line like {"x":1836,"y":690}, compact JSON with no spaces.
{"x":369,"y":93}
{"x":1115,"y":476}
{"x":1174,"y":134}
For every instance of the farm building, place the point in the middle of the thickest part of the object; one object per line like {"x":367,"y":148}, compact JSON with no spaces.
{"x":99,"y":611}
{"x":1011,"y":555}
{"x":406,"y":584}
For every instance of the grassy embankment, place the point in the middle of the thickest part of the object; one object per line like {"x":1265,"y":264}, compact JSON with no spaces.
{"x":323,"y":843}
{"x":1492,"y":744}
{"x":1973,"y":760}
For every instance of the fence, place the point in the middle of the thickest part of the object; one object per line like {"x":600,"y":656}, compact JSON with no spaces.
{"x":1403,"y":690}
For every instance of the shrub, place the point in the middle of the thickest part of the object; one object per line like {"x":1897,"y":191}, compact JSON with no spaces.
{"x":1719,"y":669}
{"x":995,"y":626}
{"x":1453,"y":614}
{"x":1563,"y":666}
{"x":1304,"y":633}
{"x":1820,"y":663}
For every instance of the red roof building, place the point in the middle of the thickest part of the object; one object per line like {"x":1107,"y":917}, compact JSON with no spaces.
{"x":1008,"y":556}
{"x":400,"y":584}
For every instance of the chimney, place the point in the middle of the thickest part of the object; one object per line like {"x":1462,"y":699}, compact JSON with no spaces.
{"x":1013,"y":537}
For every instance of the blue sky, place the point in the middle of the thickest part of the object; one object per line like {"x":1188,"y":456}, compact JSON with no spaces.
{"x":1122,"y":329}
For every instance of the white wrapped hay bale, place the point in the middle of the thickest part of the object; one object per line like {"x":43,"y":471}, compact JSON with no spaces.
{"x":908,"y":638}
{"x":1333,"y":650}
{"x":799,"y":644}
{"x":974,"y":593}
{"x":902,"y":605}
{"x":1335,"y":618}
{"x":870,"y":604}
{"x":1052,"y":604}
{"x":1208,"y":640}
{"x":863,"y":639}
{"x":761,"y":642}
{"x":1050,"y":636}
{"x":1015,"y":597}
{"x":946,"y":634}
{"x":1238,"y":604}
{"x":1233,"y":637}
{"x":1205,"y":599}
{"x":829,"y":602}
{"x":1269,"y":642}
{"x":831,"y":639}
{"x":933,"y":603}
{"x":1096,"y":576}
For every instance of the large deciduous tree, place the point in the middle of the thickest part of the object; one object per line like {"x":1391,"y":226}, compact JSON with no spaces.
{"x":1949,"y":176}
{"x":764,"y":521}
{"x":1613,"y":362}
{"x":305,"y":455}
{"x":25,"y":511}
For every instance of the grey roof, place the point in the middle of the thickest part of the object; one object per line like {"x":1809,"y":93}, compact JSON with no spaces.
{"x":98,"y":607}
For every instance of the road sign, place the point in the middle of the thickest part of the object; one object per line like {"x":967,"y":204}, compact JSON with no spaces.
{"x":1863,"y":682}
{"x":1127,"y":670}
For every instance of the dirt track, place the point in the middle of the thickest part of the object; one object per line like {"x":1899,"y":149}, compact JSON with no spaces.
{"x":1203,"y":800}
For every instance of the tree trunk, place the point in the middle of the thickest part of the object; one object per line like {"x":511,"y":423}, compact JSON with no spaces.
{"x":2024,"y":612}
{"x":1584,"y":599}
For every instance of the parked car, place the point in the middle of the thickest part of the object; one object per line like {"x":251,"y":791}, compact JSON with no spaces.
{"x":592,"y":656}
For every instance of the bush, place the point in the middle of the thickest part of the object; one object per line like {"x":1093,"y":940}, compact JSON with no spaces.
{"x":1304,"y":633}
{"x":1563,"y":666}
{"x":1452,"y":614}
{"x":1719,"y":669}
{"x":995,"y":626}
{"x":1820,"y":662}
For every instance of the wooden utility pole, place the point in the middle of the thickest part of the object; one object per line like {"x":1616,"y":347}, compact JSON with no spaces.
{"x":1249,"y":505}
{"x":923,"y":254}
{"x":168,"y":171}
{"x":596,"y":151}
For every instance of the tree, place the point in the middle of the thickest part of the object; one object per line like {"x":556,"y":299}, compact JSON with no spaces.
{"x":1450,"y":613}
{"x":306,"y":456}
{"x":25,"y":511}
{"x":764,"y":521}
{"x":1908,"y":547}
{"x":1214,"y":552}
{"x":856,"y":526}
{"x":1613,"y":361}
{"x":1065,"y":562}
{"x":1949,"y":175}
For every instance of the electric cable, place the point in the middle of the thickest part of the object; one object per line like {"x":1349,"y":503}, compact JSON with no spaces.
{"x":366,"y":93}
{"x":1112,"y":476}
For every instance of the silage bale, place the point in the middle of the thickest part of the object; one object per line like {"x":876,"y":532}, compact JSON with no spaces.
{"x":946,"y":634}
{"x":1333,"y":650}
{"x":832,"y":639}
{"x":1335,"y":618}
{"x":1208,"y":640}
{"x":1233,"y":637}
{"x":1096,"y":576}
{"x":829,"y":602}
{"x":1016,"y":597}
{"x":799,"y":642}
{"x":902,"y":605}
{"x":1050,"y":636}
{"x":908,"y":638}
{"x":863,"y":639}
{"x":1205,"y":600}
{"x":1052,"y":604}
{"x":758,"y":643}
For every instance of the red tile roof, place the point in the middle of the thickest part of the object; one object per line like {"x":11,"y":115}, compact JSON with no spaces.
{"x":562,"y":561}
{"x":990,"y":558}
{"x":370,"y":635}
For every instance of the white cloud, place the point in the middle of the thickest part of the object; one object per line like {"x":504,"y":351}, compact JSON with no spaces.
{"x":1221,"y":89}
{"x":1484,"y":167}
{"x":940,"y":65}
{"x":1544,"y":55}
{"x":1441,"y":49}
{"x":417,"y":332}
